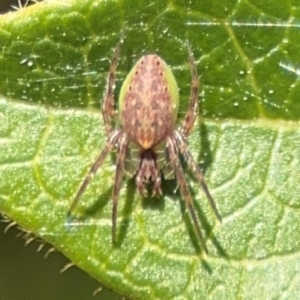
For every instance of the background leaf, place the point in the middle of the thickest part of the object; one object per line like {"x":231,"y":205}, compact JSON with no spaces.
{"x":53,"y":70}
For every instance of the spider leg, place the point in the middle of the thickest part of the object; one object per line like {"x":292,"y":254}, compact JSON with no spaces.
{"x":108,"y":111}
{"x":191,"y":112}
{"x":140,"y":184}
{"x":114,"y":136}
{"x":183,"y":187}
{"x":157,"y":184}
{"x":121,"y":154}
{"x":183,"y":148}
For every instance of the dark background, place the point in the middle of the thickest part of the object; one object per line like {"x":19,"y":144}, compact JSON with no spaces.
{"x":6,"y":5}
{"x":26,"y":274}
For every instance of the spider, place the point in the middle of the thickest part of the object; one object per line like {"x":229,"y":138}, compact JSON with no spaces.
{"x":147,"y":141}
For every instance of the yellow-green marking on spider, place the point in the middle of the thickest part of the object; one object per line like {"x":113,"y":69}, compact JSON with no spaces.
{"x":147,"y":139}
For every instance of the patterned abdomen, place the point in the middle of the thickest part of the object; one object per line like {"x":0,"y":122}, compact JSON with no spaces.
{"x":149,"y":102}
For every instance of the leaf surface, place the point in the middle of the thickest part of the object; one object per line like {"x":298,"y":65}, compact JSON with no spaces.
{"x":54,"y":63}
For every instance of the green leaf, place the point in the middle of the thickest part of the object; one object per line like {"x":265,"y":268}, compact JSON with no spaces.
{"x":54,"y":61}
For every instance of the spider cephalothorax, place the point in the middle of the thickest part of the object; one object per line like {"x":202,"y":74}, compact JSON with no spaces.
{"x":147,"y":141}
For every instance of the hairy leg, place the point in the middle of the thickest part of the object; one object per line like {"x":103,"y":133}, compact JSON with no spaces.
{"x":121,"y":154}
{"x":157,"y":184}
{"x":183,"y":187}
{"x":183,"y":148}
{"x":113,"y":138}
{"x":108,"y":111}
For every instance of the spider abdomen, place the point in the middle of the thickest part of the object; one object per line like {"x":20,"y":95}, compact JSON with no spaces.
{"x":148,"y":102}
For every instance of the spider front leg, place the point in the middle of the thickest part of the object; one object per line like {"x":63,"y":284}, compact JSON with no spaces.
{"x":183,"y":187}
{"x":121,"y":154}
{"x":112,"y":140}
{"x":183,"y":148}
{"x":140,"y":184}
{"x":108,"y":105}
{"x":157,"y":185}
{"x":191,"y":112}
